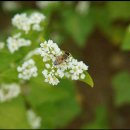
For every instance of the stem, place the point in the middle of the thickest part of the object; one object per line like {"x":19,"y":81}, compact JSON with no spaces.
{"x":25,"y":91}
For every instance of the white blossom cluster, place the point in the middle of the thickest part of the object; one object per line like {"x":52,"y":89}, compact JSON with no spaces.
{"x":27,"y":70}
{"x":15,"y":42}
{"x":33,"y":119}
{"x":71,"y":68}
{"x":9,"y":91}
{"x":26,"y":23}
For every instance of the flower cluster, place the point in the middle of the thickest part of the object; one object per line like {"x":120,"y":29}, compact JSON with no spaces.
{"x":9,"y":91}
{"x":27,"y":70}
{"x":15,"y":42}
{"x":33,"y":119}
{"x":69,"y":68}
{"x":26,"y":23}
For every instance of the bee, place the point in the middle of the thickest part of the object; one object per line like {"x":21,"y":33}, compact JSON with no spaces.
{"x":61,"y":58}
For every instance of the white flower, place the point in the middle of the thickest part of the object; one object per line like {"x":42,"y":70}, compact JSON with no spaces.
{"x":45,"y":72}
{"x":15,"y":42}
{"x":67,"y":74}
{"x":21,"y":21}
{"x":2,"y":44}
{"x":83,"y":7}
{"x":49,"y":50}
{"x":9,"y":91}
{"x":72,"y":68}
{"x":36,"y":27}
{"x":24,"y":22}
{"x":33,"y":119}
{"x":60,"y":73}
{"x":47,"y":66}
{"x":27,"y":70}
{"x":75,"y":77}
{"x":51,"y":79}
{"x":82,"y":76}
{"x":36,"y":18}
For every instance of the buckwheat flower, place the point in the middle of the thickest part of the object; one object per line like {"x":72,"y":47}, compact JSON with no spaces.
{"x":45,"y":72}
{"x":21,"y":21}
{"x":47,"y":65}
{"x":75,"y":77}
{"x":33,"y":119}
{"x":2,"y":44}
{"x":36,"y":27}
{"x":9,"y":91}
{"x":60,"y":73}
{"x":15,"y":42}
{"x":27,"y":22}
{"x":36,"y":18}
{"x":51,"y":79}
{"x":82,"y":76}
{"x":67,"y":74}
{"x":27,"y":70}
{"x":69,"y":68}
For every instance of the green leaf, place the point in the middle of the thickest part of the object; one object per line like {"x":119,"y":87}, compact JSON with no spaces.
{"x":78,"y":27}
{"x":100,"y":121}
{"x":121,"y":84}
{"x":8,"y":71}
{"x":126,"y":42}
{"x":119,"y":10}
{"x":116,"y":34}
{"x":57,"y":105}
{"x":13,"y":114}
{"x":41,"y":92}
{"x":88,"y":79}
{"x":58,"y":114}
{"x":102,"y":20}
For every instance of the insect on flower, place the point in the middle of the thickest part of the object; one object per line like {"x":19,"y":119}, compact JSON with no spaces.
{"x":61,"y":58}
{"x":59,"y":64}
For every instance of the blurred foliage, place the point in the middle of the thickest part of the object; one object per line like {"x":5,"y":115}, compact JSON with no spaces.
{"x":78,"y":26}
{"x":126,"y":41}
{"x":121,"y":84}
{"x":100,"y":120}
{"x":13,"y":114}
{"x":119,"y":10}
{"x":57,"y":106}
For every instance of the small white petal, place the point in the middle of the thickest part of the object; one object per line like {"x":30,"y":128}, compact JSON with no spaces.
{"x":47,"y":66}
{"x":82,"y":76}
